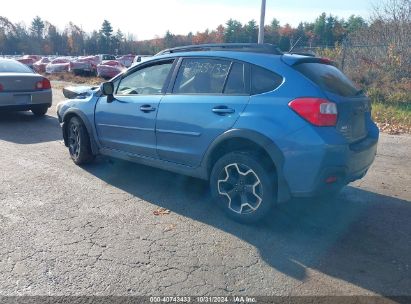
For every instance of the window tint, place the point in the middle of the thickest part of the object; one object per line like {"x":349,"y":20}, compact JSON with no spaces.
{"x":328,"y":78}
{"x":201,"y":76}
{"x":263,"y":80}
{"x":235,"y":82}
{"x":148,"y":81}
{"x":11,"y":66}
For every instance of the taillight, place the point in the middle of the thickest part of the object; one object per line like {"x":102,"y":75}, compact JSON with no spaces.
{"x":319,"y":112}
{"x":43,"y":84}
{"x":1,"y":87}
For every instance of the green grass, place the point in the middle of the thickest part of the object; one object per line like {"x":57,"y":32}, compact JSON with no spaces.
{"x":394,"y":118}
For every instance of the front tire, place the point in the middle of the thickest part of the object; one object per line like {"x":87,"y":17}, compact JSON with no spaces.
{"x":40,"y":110}
{"x":243,"y":186}
{"x":79,"y":142}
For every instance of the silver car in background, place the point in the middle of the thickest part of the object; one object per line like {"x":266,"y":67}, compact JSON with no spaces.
{"x":21,"y":89}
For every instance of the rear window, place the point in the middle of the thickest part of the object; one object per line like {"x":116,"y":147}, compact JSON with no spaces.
{"x":10,"y":66}
{"x":263,"y":80}
{"x":328,"y":78}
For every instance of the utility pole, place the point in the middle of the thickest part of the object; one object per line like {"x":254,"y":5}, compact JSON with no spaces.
{"x":261,"y":28}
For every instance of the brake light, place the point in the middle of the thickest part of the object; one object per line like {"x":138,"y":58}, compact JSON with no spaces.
{"x":43,"y":84}
{"x":1,"y":87}
{"x":319,"y":112}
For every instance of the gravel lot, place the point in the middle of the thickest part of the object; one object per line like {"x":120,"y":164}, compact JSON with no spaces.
{"x":67,"y":230}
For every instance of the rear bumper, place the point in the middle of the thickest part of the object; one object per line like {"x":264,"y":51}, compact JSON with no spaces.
{"x":82,"y":70}
{"x":22,"y":107}
{"x":326,"y":167}
{"x":25,"y":99}
{"x":342,"y":177}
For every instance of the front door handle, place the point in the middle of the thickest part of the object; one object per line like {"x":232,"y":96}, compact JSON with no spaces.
{"x":147,"y":108}
{"x":223,"y":110}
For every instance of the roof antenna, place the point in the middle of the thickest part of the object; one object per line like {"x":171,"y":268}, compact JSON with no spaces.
{"x":295,"y":44}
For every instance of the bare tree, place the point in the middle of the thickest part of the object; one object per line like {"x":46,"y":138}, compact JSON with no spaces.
{"x":384,"y":47}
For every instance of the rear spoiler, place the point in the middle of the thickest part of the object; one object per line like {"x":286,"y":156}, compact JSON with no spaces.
{"x":294,"y":59}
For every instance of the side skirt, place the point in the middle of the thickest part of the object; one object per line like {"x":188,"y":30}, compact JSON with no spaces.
{"x":198,"y":172}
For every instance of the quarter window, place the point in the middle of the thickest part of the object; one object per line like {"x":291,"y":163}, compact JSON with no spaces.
{"x":146,"y":81}
{"x":201,"y":76}
{"x":263,"y":80}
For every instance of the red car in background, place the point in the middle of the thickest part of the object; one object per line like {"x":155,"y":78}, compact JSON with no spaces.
{"x":126,"y":60}
{"x":58,"y":65}
{"x":40,"y":66}
{"x":85,"y":65}
{"x":29,"y":60}
{"x":109,"y":69}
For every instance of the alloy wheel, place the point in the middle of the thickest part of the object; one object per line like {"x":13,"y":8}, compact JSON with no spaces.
{"x":74,"y":140}
{"x":242,"y":188}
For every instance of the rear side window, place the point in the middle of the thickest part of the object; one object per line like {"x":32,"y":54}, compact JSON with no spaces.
{"x":263,"y":80}
{"x":11,"y":66}
{"x":201,"y":76}
{"x":236,"y":80}
{"x":328,"y":78}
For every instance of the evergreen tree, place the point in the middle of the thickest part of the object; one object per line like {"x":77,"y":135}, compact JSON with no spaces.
{"x":105,"y":37}
{"x":37,"y":27}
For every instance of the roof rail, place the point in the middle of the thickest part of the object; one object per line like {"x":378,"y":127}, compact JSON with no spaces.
{"x":265,"y":48}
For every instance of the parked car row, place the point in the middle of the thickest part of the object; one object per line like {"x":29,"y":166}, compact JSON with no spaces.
{"x":102,"y":65}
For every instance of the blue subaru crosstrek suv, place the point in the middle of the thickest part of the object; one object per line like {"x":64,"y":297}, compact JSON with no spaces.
{"x":261,"y":126}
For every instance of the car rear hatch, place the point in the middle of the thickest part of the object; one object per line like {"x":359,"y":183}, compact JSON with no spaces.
{"x":352,"y":113}
{"x":352,"y":105}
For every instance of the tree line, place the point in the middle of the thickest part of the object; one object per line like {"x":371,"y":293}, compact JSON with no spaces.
{"x":42,"y":37}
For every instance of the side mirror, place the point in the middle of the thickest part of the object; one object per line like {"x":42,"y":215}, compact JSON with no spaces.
{"x":107,"y":89}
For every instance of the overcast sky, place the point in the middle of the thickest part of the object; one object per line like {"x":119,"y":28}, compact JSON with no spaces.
{"x":147,"y":18}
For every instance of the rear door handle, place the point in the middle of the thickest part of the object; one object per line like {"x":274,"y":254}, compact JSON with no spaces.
{"x":223,"y":110}
{"x":147,"y":108}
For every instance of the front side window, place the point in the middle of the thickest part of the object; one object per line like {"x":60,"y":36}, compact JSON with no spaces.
{"x":146,"y":81}
{"x":202,"y":76}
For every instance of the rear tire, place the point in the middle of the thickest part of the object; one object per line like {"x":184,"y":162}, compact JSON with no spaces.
{"x":40,"y":110}
{"x":243,"y":187}
{"x":79,"y":142}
